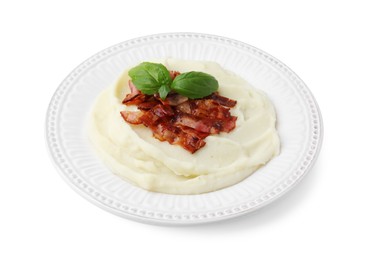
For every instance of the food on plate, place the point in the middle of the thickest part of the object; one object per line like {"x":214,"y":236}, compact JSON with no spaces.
{"x":183,"y":127}
{"x":180,"y":108}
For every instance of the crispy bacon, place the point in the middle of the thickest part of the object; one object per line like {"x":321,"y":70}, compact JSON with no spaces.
{"x":132,"y":117}
{"x":179,"y":120}
{"x":197,"y":123}
{"x":162,"y":111}
{"x":148,"y":105}
{"x":135,"y":95}
{"x":204,"y":108}
{"x":186,"y":137}
{"x":224,"y":101}
{"x":173,"y":74}
{"x":206,"y":125}
{"x":174,"y":99}
{"x":133,"y":88}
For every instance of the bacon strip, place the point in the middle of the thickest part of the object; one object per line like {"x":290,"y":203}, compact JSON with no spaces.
{"x":204,"y":108}
{"x":134,"y":93}
{"x":174,"y":99}
{"x":132,"y":117}
{"x":224,"y":101}
{"x":179,"y":120}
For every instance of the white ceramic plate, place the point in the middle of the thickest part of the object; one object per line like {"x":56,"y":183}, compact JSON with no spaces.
{"x":299,"y":126}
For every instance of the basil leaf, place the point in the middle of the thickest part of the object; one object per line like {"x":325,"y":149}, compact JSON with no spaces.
{"x":149,"y":77}
{"x":195,"y":84}
{"x":163,"y":91}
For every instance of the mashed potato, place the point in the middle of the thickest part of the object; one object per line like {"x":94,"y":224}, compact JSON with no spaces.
{"x":130,"y":151}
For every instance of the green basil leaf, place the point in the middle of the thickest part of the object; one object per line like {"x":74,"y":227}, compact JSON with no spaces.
{"x":195,"y":84}
{"x":149,"y":77}
{"x":163,"y":91}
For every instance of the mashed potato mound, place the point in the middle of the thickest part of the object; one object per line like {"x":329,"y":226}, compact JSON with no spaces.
{"x":130,"y":151}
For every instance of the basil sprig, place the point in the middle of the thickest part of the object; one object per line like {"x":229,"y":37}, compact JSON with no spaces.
{"x":151,"y":78}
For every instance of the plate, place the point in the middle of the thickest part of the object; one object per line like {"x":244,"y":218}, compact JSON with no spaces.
{"x":299,"y":125}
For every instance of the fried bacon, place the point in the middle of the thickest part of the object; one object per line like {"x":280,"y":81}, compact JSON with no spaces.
{"x":132,"y":117}
{"x":135,"y":97}
{"x":179,"y":120}
{"x":174,"y":99}
{"x":173,"y":74}
{"x":221,"y":100}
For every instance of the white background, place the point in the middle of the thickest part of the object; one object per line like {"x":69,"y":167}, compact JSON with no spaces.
{"x":324,"y":217}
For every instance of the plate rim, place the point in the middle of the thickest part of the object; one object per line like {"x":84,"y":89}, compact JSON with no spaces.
{"x":157,"y":219}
